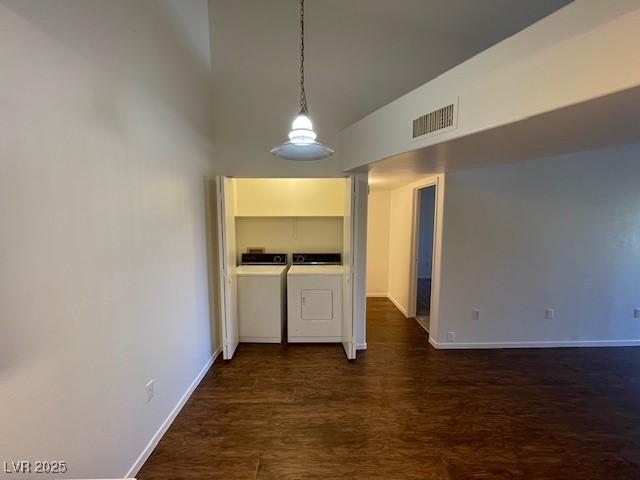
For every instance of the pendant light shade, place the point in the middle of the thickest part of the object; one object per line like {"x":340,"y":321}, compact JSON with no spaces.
{"x":302,"y":152}
{"x":302,"y":130}
{"x":302,"y":143}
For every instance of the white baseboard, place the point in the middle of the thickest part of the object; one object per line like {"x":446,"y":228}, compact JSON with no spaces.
{"x":133,"y":471}
{"x":398,"y":306}
{"x":546,"y":344}
{"x":377,"y":295}
{"x":361,"y":346}
{"x":260,"y":339}
{"x":314,"y":340}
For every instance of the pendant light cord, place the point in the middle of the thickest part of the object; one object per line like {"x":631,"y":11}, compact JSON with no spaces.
{"x":303,"y":95}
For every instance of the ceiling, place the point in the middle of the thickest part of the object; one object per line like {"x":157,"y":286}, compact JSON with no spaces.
{"x":359,"y":56}
{"x":567,"y":130}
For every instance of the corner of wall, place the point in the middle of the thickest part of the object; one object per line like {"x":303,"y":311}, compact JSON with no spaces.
{"x":398,"y":305}
{"x":155,"y":439}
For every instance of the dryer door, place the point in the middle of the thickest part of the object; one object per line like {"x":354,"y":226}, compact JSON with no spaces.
{"x":317,"y":304}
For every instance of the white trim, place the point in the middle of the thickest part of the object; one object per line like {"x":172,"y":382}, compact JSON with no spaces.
{"x":260,"y":339}
{"x":360,"y":217}
{"x":377,"y":295}
{"x":148,"y":450}
{"x":222,"y":264}
{"x":543,"y":344}
{"x":361,"y":346}
{"x":398,"y":306}
{"x":438,"y":182}
{"x":315,"y":339}
{"x":415,"y":241}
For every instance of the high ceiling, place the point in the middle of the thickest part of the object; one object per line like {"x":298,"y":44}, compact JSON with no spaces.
{"x":360,"y":55}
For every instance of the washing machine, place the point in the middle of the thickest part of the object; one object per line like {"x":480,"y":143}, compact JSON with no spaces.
{"x":262,"y":285}
{"x":314,"y":298}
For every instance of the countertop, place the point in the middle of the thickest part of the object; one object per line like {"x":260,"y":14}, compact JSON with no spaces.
{"x":267,"y":270}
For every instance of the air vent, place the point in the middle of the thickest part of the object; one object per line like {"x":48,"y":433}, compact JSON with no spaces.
{"x":435,"y":121}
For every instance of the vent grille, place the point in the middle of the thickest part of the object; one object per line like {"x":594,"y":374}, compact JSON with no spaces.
{"x":434,"y":121}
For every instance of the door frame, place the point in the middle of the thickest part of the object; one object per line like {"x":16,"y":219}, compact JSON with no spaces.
{"x":357,"y":263}
{"x":436,"y":181}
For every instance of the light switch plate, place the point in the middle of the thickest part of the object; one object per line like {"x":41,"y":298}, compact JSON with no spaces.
{"x":149,"y":389}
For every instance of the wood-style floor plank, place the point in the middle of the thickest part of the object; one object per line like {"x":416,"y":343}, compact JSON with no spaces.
{"x":404,"y":410}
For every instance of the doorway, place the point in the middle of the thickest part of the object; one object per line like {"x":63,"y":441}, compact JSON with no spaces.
{"x":426,"y":212}
{"x":322,"y":216}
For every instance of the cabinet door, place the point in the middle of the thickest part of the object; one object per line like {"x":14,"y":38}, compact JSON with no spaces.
{"x":317,"y":304}
{"x":227,"y":262}
{"x":348,"y":330}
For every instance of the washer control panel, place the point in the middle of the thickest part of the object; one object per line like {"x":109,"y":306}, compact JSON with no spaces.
{"x":264,"y":259}
{"x":317,"y":259}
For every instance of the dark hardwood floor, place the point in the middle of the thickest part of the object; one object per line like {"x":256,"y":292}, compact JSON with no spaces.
{"x":404,"y":410}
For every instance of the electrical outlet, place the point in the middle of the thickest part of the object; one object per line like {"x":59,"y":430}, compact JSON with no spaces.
{"x":149,"y":389}
{"x":475,"y":314}
{"x":636,"y":313}
{"x":549,"y":313}
{"x":451,"y":336}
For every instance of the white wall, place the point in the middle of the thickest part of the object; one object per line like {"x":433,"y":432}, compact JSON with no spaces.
{"x":400,"y":225}
{"x":289,"y":197}
{"x":401,"y":254}
{"x":561,"y":233}
{"x":104,"y":144}
{"x":378,"y":243}
{"x":289,"y":234}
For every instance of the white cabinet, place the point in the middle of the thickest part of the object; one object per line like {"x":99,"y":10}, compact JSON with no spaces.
{"x":314,"y":303}
{"x":261,"y":303}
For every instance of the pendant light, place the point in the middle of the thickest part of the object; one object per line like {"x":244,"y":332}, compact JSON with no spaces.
{"x":302,"y":143}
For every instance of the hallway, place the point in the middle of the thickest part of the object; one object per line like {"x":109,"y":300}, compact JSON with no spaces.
{"x":404,"y":410}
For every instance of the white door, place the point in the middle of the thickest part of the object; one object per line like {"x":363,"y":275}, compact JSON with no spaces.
{"x":227,"y":262}
{"x":348,"y":330}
